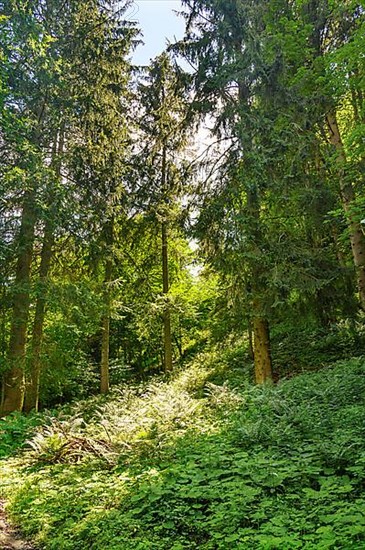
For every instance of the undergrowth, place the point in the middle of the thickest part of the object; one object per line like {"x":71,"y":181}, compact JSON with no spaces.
{"x":201,"y":461}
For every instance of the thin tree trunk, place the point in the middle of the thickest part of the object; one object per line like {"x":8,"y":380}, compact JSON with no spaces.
{"x":32,"y":388}
{"x":357,"y":239}
{"x":105,"y":321}
{"x":166,"y":315}
{"x":179,"y":346}
{"x":165,"y":277}
{"x":32,"y":384}
{"x":105,"y":346}
{"x":339,"y":254}
{"x":357,"y":98}
{"x":14,"y":376}
{"x":250,"y":339}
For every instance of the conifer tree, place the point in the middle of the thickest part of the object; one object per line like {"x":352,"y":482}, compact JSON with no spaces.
{"x":257,"y":74}
{"x":29,"y":77}
{"x":164,"y":135}
{"x":101,"y":142}
{"x":67,"y":81}
{"x":225,"y":43}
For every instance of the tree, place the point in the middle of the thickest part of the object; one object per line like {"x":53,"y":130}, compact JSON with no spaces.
{"x":29,"y":80}
{"x":254,"y":76}
{"x":58,"y":51}
{"x":34,"y":370}
{"x":327,"y":79}
{"x":164,"y":136}
{"x":227,"y":49}
{"x":101,"y":145}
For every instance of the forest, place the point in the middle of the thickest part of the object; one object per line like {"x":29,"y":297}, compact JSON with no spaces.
{"x":182,"y":278}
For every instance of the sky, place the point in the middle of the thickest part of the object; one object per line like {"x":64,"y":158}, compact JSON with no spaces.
{"x":158,"y":23}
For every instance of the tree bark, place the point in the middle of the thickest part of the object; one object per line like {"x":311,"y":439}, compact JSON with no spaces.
{"x":165,"y":276}
{"x":250,"y":339}
{"x":105,"y":321}
{"x":347,"y":193}
{"x":261,"y":335}
{"x":166,"y":314}
{"x":105,"y":346}
{"x":262,"y":354}
{"x":14,"y":376}
{"x":32,"y":388}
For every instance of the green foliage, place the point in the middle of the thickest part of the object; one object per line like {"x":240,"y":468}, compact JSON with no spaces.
{"x":61,"y":441}
{"x":15,"y":430}
{"x":299,"y":349}
{"x":198,"y":458}
{"x":68,"y":367}
{"x":203,"y":465}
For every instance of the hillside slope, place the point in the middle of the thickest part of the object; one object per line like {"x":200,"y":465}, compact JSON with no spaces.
{"x":196,"y":463}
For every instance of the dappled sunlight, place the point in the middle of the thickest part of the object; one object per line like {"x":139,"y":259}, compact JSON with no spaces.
{"x":263,"y":467}
{"x":182,"y":275}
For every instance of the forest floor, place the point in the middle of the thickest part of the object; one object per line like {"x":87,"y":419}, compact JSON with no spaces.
{"x":203,"y":460}
{"x":10,"y":538}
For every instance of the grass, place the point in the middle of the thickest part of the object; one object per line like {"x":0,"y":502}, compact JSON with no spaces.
{"x":204,"y":460}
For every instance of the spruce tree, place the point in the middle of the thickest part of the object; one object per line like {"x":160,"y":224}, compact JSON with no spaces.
{"x":164,"y":135}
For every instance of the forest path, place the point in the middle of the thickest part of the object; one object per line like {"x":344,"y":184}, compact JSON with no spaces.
{"x":9,"y":537}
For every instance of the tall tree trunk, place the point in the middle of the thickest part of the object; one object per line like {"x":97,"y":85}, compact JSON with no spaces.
{"x":165,"y":275}
{"x":105,"y":346}
{"x":261,"y":338}
{"x":250,"y":339}
{"x":166,"y":315}
{"x":105,"y":321}
{"x":14,"y":376}
{"x":32,"y":383}
{"x":32,"y":387}
{"x":347,"y":192}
